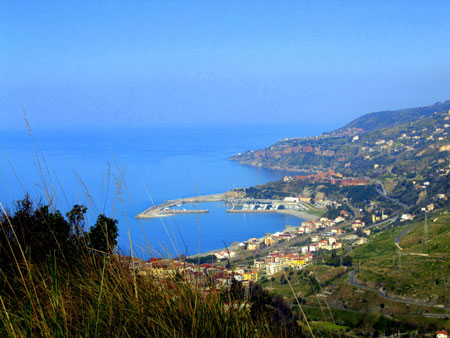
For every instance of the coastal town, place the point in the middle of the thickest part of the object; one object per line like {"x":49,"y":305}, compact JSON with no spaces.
{"x":292,"y":248}
{"x":373,"y":235}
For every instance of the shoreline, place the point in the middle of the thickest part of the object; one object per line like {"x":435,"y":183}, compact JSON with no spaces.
{"x":163,"y":210}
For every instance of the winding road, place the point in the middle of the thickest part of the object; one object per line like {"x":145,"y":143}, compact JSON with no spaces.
{"x":383,"y":295}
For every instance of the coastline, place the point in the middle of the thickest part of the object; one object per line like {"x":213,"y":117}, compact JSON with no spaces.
{"x":163,"y":210}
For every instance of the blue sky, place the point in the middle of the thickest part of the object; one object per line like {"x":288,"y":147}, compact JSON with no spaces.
{"x":150,"y":63}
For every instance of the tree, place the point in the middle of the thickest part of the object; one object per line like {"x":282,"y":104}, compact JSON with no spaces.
{"x":39,"y":232}
{"x":76,"y":219}
{"x":347,"y":261}
{"x":103,"y":235}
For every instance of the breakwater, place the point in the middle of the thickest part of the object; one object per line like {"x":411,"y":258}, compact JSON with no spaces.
{"x":236,"y":205}
{"x":164,"y":209}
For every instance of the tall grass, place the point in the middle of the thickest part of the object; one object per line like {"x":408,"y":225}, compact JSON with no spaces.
{"x":97,"y":296}
{"x":83,"y":292}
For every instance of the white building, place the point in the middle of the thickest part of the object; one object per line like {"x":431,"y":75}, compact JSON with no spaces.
{"x":273,"y":268}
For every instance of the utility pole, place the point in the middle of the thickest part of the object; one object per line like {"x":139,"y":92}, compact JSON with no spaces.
{"x":425,"y":229}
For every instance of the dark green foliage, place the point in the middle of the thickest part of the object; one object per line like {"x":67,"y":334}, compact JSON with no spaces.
{"x":38,"y":232}
{"x":347,"y":261}
{"x":103,"y":235}
{"x":264,"y":304}
{"x":335,"y":259}
{"x":202,"y":259}
{"x":34,"y":234}
{"x":360,"y":194}
{"x":76,"y":219}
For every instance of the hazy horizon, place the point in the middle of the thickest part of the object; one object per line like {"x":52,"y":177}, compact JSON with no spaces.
{"x":138,"y":64}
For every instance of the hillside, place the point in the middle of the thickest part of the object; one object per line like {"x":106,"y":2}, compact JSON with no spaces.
{"x":410,"y":159}
{"x":384,"y":119}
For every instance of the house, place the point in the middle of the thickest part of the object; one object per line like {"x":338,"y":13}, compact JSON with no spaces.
{"x":406,"y":217}
{"x":238,"y":277}
{"x":313,"y":247}
{"x":366,"y":231}
{"x":323,"y":243}
{"x":291,"y":199}
{"x":315,"y":239}
{"x":336,"y":231}
{"x":286,"y":237}
{"x":273,"y":268}
{"x":358,"y":224}
{"x":269,"y":241}
{"x":304,"y":199}
{"x":259,"y":263}
{"x":344,"y":214}
{"x":250,"y":275}
{"x":297,"y":263}
{"x":441,"y":334}
{"x":331,"y":240}
{"x":337,"y":245}
{"x":305,"y":229}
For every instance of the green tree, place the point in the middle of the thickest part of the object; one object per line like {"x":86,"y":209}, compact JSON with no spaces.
{"x":77,"y":220}
{"x":103,"y":235}
{"x":347,"y":261}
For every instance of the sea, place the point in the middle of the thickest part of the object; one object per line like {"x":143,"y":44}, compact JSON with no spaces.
{"x":122,"y":172}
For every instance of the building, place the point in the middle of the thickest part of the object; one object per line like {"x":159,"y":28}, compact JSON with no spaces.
{"x":297,"y":264}
{"x":337,"y":245}
{"x":269,"y":241}
{"x":358,"y":224}
{"x":250,"y":275}
{"x":406,"y":217}
{"x":336,"y":231}
{"x":292,"y":199}
{"x":442,"y":334}
{"x":366,"y":231}
{"x":273,"y":268}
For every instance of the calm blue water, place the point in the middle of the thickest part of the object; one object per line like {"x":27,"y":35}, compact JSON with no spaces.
{"x":121,"y":172}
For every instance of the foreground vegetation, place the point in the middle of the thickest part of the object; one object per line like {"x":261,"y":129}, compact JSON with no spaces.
{"x":58,"y":279}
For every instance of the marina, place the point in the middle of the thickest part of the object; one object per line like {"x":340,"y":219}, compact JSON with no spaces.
{"x":233,"y":205}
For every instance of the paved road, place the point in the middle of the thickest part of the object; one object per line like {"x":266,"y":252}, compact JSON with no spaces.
{"x":382,"y":192}
{"x":399,"y":237}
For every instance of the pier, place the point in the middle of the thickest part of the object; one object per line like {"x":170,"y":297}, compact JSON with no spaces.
{"x":164,"y":209}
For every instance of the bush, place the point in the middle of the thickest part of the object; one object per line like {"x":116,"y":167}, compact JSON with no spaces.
{"x":35,"y":233}
{"x":59,"y":280}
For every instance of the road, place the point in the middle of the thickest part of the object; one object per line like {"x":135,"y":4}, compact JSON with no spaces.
{"x":399,"y":237}
{"x":390,"y":298}
{"x":382,"y":192}
{"x":383,"y":295}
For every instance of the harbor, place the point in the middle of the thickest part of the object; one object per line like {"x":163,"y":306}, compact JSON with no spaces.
{"x":233,"y":205}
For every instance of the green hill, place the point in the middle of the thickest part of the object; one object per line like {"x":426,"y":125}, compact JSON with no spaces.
{"x":383,"y":119}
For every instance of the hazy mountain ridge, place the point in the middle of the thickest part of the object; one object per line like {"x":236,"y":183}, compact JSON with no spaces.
{"x":384,"y":119}
{"x":355,"y":150}
{"x":412,"y":158}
